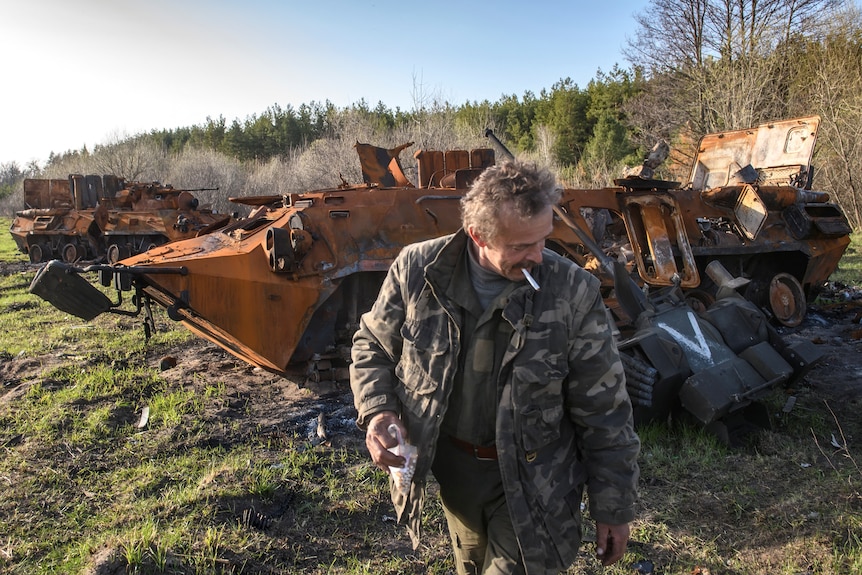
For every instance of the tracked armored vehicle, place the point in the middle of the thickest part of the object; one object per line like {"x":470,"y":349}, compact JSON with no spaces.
{"x":696,"y":276}
{"x":104,"y":217}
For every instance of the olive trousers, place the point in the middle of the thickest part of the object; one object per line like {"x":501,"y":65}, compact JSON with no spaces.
{"x":471,"y":490}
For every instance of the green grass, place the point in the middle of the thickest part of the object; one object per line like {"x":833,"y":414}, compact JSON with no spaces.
{"x":163,"y":497}
{"x":34,"y":327}
{"x":765,"y":509}
{"x":849,"y":270}
{"x":8,"y":250}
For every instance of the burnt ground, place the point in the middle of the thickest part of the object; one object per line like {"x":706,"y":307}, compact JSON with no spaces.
{"x":834,"y":325}
{"x":271,"y":403}
{"x":293,"y":402}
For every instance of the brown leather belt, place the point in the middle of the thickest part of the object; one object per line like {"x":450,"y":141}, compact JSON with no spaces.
{"x":481,"y":453}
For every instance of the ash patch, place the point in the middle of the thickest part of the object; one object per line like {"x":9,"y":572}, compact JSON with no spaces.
{"x":834,"y":325}
{"x":319,"y":421}
{"x":273,"y":407}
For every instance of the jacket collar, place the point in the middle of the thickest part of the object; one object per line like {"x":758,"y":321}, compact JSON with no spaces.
{"x":441,"y":268}
{"x":439,"y":272}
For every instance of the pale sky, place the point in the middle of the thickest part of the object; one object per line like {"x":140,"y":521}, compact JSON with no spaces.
{"x":86,"y":72}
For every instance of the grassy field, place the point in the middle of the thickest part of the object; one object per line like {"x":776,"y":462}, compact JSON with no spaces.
{"x":849,"y":270}
{"x":208,"y":487}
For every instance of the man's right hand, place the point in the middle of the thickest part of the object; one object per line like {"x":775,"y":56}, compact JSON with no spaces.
{"x":378,"y":440}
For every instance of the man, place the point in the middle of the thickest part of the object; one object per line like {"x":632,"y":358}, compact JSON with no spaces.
{"x":514,"y":394}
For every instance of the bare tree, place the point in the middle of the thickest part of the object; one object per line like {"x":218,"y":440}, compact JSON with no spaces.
{"x":132,"y":158}
{"x":671,"y":36}
{"x":835,"y":83}
{"x":545,"y":140}
{"x":277,"y":176}
{"x":719,"y":64}
{"x":75,"y":164}
{"x":194,"y":169}
{"x":433,"y":122}
{"x":327,"y":162}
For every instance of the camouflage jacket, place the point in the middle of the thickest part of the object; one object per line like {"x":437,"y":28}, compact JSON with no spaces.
{"x":564,"y":418}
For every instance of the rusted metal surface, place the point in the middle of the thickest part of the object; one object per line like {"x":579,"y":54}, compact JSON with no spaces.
{"x":694,"y":274}
{"x":312,"y":265}
{"x":92,"y":217}
{"x":747,"y":205}
{"x":51,"y":225}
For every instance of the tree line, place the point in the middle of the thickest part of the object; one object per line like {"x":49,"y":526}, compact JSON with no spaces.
{"x":694,"y":67}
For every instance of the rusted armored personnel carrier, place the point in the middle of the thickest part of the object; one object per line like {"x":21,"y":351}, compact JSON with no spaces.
{"x":695,"y":275}
{"x":748,"y":205}
{"x":97,"y":217}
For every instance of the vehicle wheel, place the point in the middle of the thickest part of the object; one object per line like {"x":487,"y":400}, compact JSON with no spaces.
{"x":699,"y":300}
{"x":69,"y":252}
{"x":787,"y":299}
{"x":36,"y":255}
{"x":113,"y":254}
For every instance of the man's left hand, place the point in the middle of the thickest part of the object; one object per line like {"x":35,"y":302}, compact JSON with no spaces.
{"x":611,"y":541}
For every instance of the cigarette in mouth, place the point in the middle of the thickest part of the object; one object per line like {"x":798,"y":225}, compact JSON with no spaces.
{"x":530,"y":279}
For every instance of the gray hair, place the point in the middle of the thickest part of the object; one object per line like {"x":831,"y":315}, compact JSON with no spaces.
{"x":523,"y":186}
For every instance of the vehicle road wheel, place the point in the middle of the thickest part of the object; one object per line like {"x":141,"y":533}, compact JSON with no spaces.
{"x":699,"y":300}
{"x":787,"y":299}
{"x":69,"y":253}
{"x":117,"y":253}
{"x":36,"y":255}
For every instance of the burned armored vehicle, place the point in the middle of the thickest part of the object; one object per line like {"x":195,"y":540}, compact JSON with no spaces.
{"x":687,"y":271}
{"x":104,"y":217}
{"x":748,"y":204}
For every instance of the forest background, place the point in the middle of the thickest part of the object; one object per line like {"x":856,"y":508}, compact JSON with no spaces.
{"x":694,"y":67}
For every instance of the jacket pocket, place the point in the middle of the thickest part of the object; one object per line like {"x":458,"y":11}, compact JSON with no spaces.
{"x":538,"y":396}
{"x":420,"y":367}
{"x":540,"y":426}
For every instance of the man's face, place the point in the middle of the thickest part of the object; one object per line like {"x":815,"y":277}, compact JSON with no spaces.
{"x":518,"y":243}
